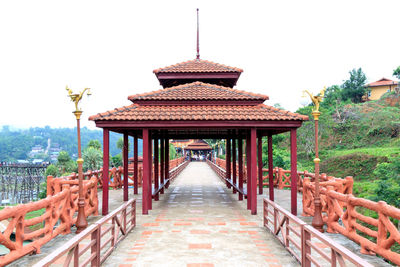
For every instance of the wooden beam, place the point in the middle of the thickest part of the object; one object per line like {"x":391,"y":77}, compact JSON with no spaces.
{"x":125,"y":164}
{"x":135,"y":165}
{"x":145,"y":179}
{"x":293,"y":171}
{"x":240,"y":155}
{"x":253,"y":175}
{"x":106,"y":167}
{"x":270,"y":169}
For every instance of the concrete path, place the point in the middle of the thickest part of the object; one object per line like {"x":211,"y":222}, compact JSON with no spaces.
{"x":199,"y":222}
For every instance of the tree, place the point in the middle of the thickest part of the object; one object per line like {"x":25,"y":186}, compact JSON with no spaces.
{"x":353,"y":88}
{"x":94,"y":144}
{"x":63,"y":158}
{"x":396,"y":72}
{"x":92,"y":159}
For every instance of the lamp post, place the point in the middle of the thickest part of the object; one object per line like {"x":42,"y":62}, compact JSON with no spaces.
{"x":81,"y":222}
{"x":317,"y":221}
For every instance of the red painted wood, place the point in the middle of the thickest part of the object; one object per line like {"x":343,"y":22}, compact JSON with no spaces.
{"x":167,"y":161}
{"x":106,"y":167}
{"x":156,"y":184}
{"x":125,"y":163}
{"x":162,"y":163}
{"x":240,"y":155}
{"x":197,"y":75}
{"x":228,"y":160}
{"x":197,"y":124}
{"x":248,"y":168}
{"x":135,"y":166}
{"x":150,"y":190}
{"x":293,"y":170}
{"x":146,"y":163}
{"x":270,"y":169}
{"x":198,"y":103}
{"x":253,"y":165}
{"x":234,"y":163}
{"x":260,"y":166}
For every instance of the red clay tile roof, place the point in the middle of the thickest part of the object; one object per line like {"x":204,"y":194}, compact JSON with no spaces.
{"x":381,"y":82}
{"x":137,"y":112}
{"x":199,"y":145}
{"x":197,"y":91}
{"x":197,"y":65}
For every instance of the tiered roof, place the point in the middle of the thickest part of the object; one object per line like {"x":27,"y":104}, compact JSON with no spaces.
{"x":198,"y":145}
{"x":197,"y":100}
{"x":198,"y":70}
{"x":197,"y":65}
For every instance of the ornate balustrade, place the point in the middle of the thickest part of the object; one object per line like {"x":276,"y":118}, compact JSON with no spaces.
{"x":304,"y":242}
{"x":104,"y":235}
{"x":58,"y":218}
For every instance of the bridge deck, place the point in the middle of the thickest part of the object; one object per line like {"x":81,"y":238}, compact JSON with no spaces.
{"x":198,"y":221}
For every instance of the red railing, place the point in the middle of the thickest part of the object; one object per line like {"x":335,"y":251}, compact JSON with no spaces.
{"x":304,"y":242}
{"x":58,"y":217}
{"x":101,"y":238}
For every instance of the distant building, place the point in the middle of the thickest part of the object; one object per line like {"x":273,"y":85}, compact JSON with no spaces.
{"x":380,"y":87}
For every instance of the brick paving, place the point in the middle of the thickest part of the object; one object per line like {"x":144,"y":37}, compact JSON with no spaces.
{"x":199,"y":222}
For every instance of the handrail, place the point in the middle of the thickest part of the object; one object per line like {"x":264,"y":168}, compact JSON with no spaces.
{"x":300,"y":239}
{"x":97,"y":232}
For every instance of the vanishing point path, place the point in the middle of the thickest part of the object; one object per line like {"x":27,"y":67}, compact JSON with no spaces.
{"x":198,"y":222}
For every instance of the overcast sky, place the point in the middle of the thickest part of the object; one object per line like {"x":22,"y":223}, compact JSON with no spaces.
{"x":112,"y":47}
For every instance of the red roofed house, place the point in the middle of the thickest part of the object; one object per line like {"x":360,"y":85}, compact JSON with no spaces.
{"x":380,"y":87}
{"x":197,"y":102}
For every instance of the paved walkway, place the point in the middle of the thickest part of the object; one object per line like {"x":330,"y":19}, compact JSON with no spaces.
{"x":198,"y":222}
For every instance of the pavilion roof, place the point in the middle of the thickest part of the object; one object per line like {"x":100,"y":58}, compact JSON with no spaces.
{"x":197,"y":65}
{"x":197,"y":91}
{"x":137,"y":112}
{"x":198,"y":145}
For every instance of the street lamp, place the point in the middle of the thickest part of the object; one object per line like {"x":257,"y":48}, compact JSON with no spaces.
{"x":317,"y":221}
{"x":81,"y":222}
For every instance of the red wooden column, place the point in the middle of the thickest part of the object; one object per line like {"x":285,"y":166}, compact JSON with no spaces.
{"x":293,"y":170}
{"x":135,"y":165}
{"x":167,"y":161}
{"x":253,"y":166}
{"x":234,"y":163}
{"x":228,"y":161}
{"x":248,"y":169}
{"x":106,"y":160}
{"x":270,"y":169}
{"x":240,"y":155}
{"x":125,"y":163}
{"x":150,"y":189}
{"x":260,"y":165}
{"x":146,"y":163}
{"x":162,"y":166}
{"x":156,"y":184}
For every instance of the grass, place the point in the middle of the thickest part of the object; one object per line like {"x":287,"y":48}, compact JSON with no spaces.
{"x":373,"y":151}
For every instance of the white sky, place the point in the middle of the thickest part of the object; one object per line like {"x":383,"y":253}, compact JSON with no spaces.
{"x":283,"y":47}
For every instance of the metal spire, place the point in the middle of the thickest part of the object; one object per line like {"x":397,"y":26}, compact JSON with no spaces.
{"x":198,"y":46}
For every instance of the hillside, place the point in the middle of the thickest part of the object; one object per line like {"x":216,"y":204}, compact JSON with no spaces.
{"x":18,"y":144}
{"x":360,"y":140}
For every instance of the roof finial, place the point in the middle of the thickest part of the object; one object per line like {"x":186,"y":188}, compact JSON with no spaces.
{"x":198,"y":46}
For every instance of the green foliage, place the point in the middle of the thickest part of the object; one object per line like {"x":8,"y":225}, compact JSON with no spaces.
{"x":360,"y":166}
{"x":353,"y":88}
{"x":396,"y":72}
{"x":94,"y":144}
{"x":116,"y":160}
{"x":172,"y":152}
{"x":51,"y":170}
{"x":63,"y":158}
{"x":92,"y":159}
